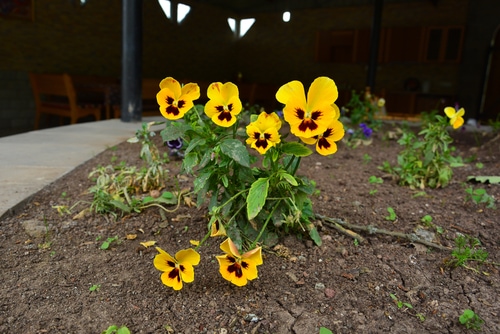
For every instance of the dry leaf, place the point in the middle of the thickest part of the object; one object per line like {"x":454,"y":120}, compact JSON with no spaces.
{"x":189,"y":202}
{"x":131,"y":236}
{"x":194,"y":242}
{"x":148,"y":243}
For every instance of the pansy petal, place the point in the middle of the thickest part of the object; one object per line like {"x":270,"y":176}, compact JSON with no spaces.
{"x":325,"y":147}
{"x":234,"y":105}
{"x":291,"y":89}
{"x":337,"y":131}
{"x":336,"y":109}
{"x":459,"y":121}
{"x":231,"y":270}
{"x":188,"y":256}
{"x":249,"y":269}
{"x":187,"y":273}
{"x":271,"y":120}
{"x":217,"y":229}
{"x":191,"y":91}
{"x":172,"y":279}
{"x":254,"y":255}
{"x":309,"y":141}
{"x":230,"y":248}
{"x":171,"y":84}
{"x":163,"y":261}
{"x":450,"y":111}
{"x":322,"y":91}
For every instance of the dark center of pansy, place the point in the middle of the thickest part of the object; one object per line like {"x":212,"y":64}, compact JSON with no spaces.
{"x":328,"y":133}
{"x":172,"y":110}
{"x":174,"y":274}
{"x":236,"y":269}
{"x":323,"y":143}
{"x":225,"y":116}
{"x":261,"y":143}
{"x":307,"y":124}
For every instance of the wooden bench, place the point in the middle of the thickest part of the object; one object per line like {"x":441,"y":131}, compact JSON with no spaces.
{"x":55,"y":94}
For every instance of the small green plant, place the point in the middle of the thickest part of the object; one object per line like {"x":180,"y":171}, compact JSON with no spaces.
{"x":373,"y":192}
{"x":64,"y":194}
{"x":400,"y":304}
{"x":324,"y":330}
{"x":107,"y":243}
{"x":479,"y":196}
{"x":466,"y":250}
{"x":427,"y":220}
{"x":366,"y":158}
{"x":116,"y":330}
{"x":374,"y":179}
{"x":392,"y":215}
{"x":121,"y":188}
{"x":471,"y":320}
{"x":47,"y":242}
{"x":479,"y":165}
{"x":426,"y":160}
{"x":95,"y":287}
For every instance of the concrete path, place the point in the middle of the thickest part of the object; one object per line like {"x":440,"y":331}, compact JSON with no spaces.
{"x":32,"y":160}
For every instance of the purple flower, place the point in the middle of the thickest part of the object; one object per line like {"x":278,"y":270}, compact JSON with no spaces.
{"x":350,"y":131}
{"x":366,"y":130}
{"x":174,"y":144}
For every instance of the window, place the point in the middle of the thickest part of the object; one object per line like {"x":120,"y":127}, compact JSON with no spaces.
{"x":443,"y":44}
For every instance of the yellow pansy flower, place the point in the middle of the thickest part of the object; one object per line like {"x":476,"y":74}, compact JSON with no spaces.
{"x":175,"y":100}
{"x":176,"y":270}
{"x":325,"y":142}
{"x":309,"y":117}
{"x":239,"y":269}
{"x":263,"y":133}
{"x":217,"y":229}
{"x":455,"y":116}
{"x":224,"y":104}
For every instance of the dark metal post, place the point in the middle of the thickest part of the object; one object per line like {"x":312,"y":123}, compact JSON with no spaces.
{"x":374,"y":42}
{"x":131,"y":83}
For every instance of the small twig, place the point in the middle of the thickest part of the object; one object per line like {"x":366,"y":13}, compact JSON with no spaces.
{"x":335,"y":222}
{"x":349,"y":233}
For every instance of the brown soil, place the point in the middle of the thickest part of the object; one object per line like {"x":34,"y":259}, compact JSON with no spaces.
{"x":45,"y":281}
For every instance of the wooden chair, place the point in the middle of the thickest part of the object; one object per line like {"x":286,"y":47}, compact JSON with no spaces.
{"x":55,"y":95}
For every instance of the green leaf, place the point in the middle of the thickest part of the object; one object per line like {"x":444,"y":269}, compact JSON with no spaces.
{"x":236,"y":150}
{"x":296,"y":149}
{"x":484,"y":179}
{"x":174,"y":131}
{"x":313,"y":233}
{"x":189,"y":162}
{"x":120,"y":205}
{"x":290,"y":179}
{"x":195,"y":143}
{"x":257,"y":197}
{"x":324,"y":330}
{"x":123,"y":330}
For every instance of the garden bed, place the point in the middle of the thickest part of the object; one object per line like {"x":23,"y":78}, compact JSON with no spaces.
{"x":55,"y":278}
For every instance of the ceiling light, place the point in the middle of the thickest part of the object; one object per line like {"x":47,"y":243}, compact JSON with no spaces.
{"x":286,"y":16}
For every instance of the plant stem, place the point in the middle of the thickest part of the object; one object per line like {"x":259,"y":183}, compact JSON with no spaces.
{"x":265,"y":225}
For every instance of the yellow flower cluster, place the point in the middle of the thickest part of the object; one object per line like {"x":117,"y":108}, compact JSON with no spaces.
{"x":315,"y":118}
{"x":234,"y":267}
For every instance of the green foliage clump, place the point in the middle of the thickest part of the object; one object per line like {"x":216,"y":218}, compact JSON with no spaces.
{"x":426,"y":159}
